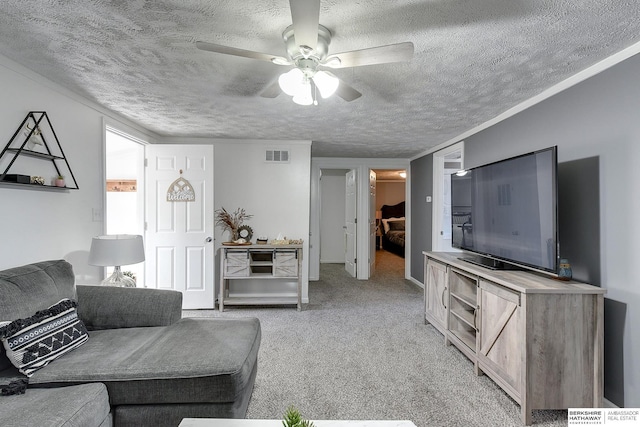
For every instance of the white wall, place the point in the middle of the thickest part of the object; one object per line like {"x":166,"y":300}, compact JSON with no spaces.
{"x":38,"y":225}
{"x":277,"y":195}
{"x":332,"y":216}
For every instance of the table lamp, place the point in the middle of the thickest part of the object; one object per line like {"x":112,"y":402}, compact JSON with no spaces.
{"x":117,"y":250}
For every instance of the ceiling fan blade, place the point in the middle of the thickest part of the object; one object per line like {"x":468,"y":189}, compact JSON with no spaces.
{"x":305,"y":15}
{"x":212,"y":47}
{"x":272,"y":90}
{"x":398,"y":52}
{"x":346,"y":92}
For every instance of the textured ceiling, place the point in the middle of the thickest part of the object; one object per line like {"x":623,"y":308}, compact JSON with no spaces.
{"x":474,"y":59}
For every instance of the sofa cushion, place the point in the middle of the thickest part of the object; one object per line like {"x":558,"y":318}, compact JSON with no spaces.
{"x":34,"y":342}
{"x":33,"y":287}
{"x":110,"y":307}
{"x":168,"y":364}
{"x":81,"y":405}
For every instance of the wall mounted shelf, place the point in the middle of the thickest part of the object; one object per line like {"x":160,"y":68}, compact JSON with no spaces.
{"x":30,"y":140}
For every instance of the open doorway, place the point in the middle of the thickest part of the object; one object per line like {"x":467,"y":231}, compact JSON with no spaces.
{"x":445,"y":162}
{"x":390,"y":217}
{"x":321,"y":168}
{"x":124,"y":199}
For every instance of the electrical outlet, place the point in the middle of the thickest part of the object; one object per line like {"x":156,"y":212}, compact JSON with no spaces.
{"x":428,"y":199}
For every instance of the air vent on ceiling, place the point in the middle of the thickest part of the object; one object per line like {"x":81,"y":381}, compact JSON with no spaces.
{"x":277,"y":156}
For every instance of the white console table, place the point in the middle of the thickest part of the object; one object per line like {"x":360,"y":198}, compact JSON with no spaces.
{"x":540,"y":339}
{"x":261,"y":262}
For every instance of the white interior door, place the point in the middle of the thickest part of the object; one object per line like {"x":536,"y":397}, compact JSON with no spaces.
{"x":350,"y":223}
{"x":179,"y":234}
{"x":372,"y":222}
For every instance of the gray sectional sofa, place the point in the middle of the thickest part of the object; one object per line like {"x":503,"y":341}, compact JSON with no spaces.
{"x":142,"y":365}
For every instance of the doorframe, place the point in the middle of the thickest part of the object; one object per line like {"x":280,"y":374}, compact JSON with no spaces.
{"x":137,"y":137}
{"x":363,"y":165}
{"x":438,"y":193}
{"x":351,"y":208}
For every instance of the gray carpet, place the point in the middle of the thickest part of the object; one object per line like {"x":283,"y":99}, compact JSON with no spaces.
{"x":360,"y":350}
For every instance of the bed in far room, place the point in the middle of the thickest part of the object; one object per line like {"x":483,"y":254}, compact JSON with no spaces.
{"x":393,"y":228}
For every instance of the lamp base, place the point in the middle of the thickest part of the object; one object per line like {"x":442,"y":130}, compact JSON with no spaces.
{"x":119,"y":279}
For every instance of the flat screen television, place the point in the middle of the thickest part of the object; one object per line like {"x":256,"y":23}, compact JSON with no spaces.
{"x":506,"y":212}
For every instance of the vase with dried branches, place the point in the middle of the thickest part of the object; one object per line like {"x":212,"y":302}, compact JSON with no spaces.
{"x":231,"y":221}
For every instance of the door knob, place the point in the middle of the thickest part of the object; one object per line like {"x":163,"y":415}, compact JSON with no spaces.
{"x":209,"y":239}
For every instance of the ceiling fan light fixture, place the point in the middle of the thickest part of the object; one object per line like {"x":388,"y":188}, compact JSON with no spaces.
{"x":326,"y":82}
{"x":304,"y":95}
{"x":291,"y":81}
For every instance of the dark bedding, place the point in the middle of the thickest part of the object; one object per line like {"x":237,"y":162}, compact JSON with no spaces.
{"x":396,"y":237}
{"x":393,"y":238}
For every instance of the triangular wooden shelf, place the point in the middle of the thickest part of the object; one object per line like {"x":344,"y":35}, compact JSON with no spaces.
{"x":30,"y":140}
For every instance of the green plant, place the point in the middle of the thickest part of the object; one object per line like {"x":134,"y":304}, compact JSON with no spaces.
{"x":292,"y":418}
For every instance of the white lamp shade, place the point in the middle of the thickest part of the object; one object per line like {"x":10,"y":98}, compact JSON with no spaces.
{"x":291,"y":81}
{"x":326,"y":82}
{"x":304,"y":96}
{"x":116,"y":250}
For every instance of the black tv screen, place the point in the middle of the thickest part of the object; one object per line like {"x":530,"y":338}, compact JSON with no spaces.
{"x":507,"y":211}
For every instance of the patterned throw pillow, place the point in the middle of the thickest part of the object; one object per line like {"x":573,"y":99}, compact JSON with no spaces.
{"x":34,"y":342}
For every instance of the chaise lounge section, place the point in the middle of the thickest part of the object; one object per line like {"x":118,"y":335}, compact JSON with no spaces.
{"x":157,"y":368}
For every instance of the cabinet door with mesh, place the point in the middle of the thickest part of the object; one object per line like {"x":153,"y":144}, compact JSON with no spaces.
{"x":285,"y":263}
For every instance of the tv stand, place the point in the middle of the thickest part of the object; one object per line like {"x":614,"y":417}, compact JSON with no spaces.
{"x":539,"y":339}
{"x":490,"y":263}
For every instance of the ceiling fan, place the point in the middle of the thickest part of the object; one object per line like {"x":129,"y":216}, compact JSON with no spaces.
{"x":307,"y":43}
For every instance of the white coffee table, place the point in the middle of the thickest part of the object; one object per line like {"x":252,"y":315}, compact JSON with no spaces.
{"x":223,"y":422}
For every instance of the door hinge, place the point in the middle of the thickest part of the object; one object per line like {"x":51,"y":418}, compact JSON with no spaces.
{"x":145,"y":226}
{"x":146,"y":162}
{"x":355,"y":260}
{"x":355,"y":221}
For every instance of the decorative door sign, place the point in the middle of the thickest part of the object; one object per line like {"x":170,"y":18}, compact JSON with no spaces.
{"x":181,"y":190}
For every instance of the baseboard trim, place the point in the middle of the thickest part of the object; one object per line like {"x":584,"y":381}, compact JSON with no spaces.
{"x":417,"y":282}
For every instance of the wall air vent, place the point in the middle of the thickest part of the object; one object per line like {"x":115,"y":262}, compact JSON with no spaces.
{"x":277,"y":156}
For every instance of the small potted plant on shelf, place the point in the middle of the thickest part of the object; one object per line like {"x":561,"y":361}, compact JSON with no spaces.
{"x":59,"y":181}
